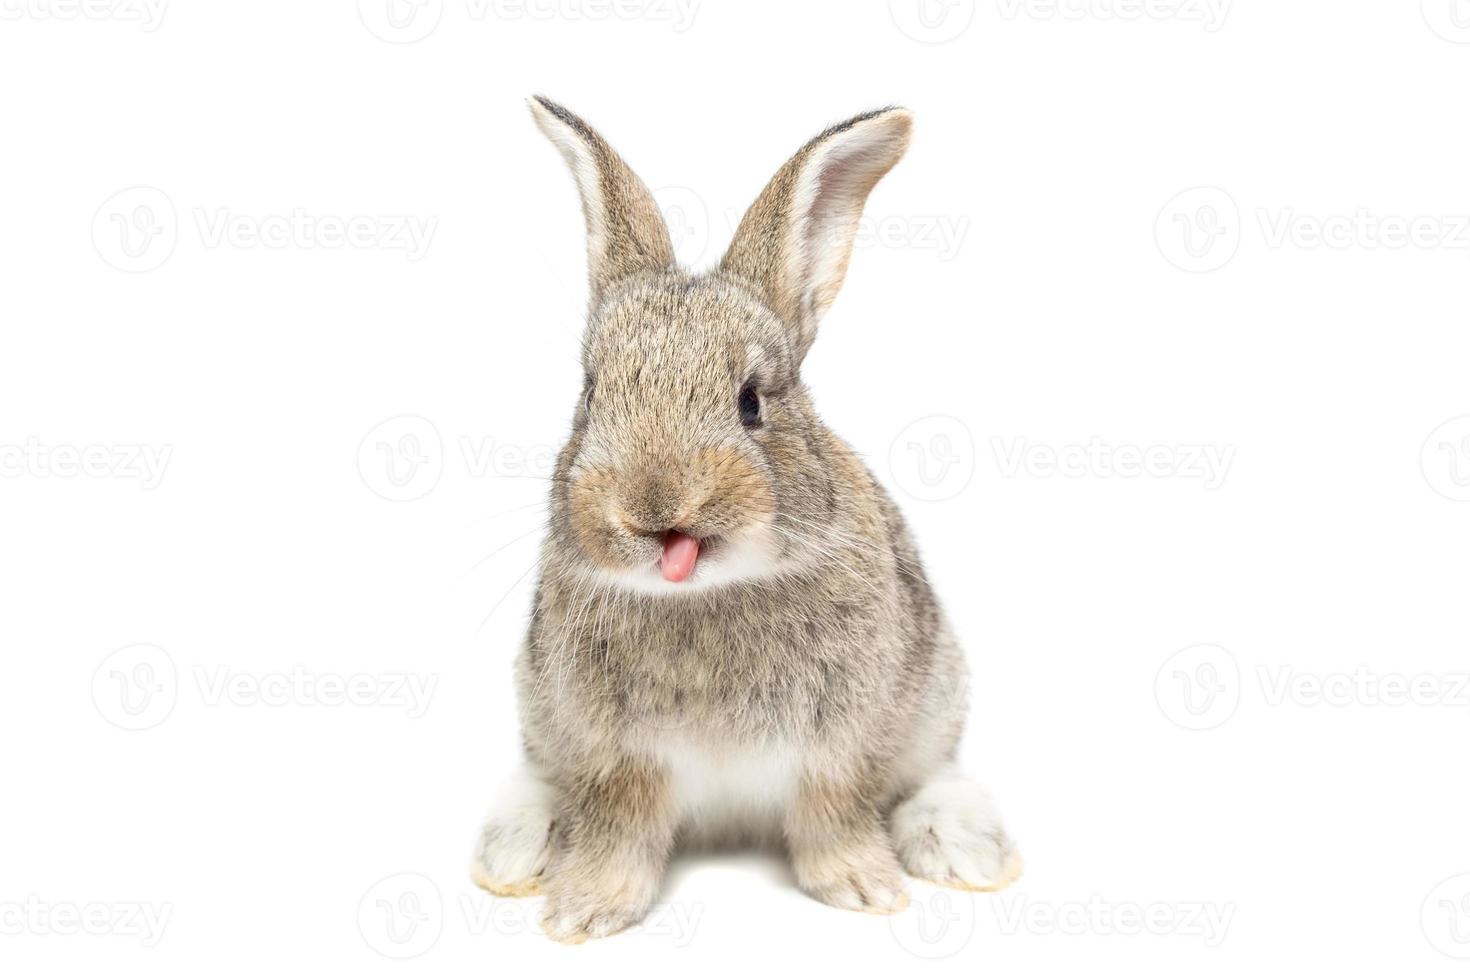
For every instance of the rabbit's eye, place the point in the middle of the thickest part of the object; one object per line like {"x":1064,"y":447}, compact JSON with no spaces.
{"x":750,"y":407}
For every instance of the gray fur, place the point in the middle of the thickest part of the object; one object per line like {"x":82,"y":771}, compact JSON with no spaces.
{"x":841,"y":650}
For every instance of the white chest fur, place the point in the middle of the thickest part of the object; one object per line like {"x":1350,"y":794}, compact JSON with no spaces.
{"x":727,"y":792}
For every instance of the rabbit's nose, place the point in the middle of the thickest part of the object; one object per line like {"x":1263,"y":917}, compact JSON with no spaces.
{"x":654,"y":502}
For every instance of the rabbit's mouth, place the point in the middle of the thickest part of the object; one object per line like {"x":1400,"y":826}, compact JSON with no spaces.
{"x":680,"y":554}
{"x":681,"y":563}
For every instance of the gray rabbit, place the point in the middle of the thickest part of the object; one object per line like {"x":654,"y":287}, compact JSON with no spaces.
{"x":732,"y":639}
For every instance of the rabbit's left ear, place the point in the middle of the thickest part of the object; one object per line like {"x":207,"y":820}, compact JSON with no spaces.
{"x":626,"y":233}
{"x":794,"y":242}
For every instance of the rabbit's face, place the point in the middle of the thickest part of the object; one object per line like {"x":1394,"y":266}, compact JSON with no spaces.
{"x":678,"y":447}
{"x":695,"y":458}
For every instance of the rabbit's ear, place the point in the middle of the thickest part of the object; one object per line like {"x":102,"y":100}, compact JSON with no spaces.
{"x":795,"y":240}
{"x":626,"y":233}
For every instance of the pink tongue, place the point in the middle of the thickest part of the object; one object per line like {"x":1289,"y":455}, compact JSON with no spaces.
{"x":680,"y":553}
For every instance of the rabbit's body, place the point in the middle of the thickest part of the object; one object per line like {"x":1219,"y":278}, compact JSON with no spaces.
{"x":732,"y":637}
{"x":845,"y":666}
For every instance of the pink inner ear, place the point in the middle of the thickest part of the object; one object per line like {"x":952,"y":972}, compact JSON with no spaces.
{"x":841,"y":179}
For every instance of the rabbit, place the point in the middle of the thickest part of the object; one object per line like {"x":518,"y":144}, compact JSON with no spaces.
{"x":732,"y":639}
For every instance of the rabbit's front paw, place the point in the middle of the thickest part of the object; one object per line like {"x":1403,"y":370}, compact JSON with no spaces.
{"x":862,"y":876}
{"x":584,"y":904}
{"x":950,"y":833}
{"x":515,"y":843}
{"x":879,"y":891}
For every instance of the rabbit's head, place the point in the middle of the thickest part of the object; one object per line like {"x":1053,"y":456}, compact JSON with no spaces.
{"x":695,"y":457}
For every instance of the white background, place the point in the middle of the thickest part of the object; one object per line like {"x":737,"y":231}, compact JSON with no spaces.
{"x":1042,"y":273}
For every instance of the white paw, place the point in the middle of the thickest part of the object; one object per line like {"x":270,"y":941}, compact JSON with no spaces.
{"x":585,"y":902}
{"x":515,"y":842}
{"x":860,"y":873}
{"x":878,"y":892}
{"x":950,"y":833}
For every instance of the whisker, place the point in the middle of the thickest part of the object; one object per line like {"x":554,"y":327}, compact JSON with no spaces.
{"x":519,"y":537}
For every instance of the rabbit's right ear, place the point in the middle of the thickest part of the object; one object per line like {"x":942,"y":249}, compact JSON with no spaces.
{"x":626,"y":233}
{"x":795,"y":240}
